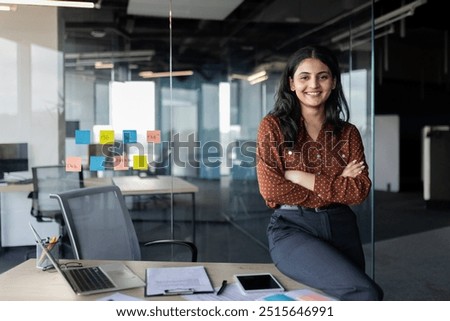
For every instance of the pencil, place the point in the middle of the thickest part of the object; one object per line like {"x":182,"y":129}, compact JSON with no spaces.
{"x":48,"y":246}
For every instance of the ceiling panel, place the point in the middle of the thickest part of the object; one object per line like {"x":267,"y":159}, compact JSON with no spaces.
{"x":216,"y":36}
{"x":187,"y":9}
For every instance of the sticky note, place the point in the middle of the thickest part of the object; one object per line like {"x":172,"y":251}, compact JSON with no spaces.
{"x":154,"y":136}
{"x":82,"y":137}
{"x":129,"y":136}
{"x":97,"y":163}
{"x":140,"y":162}
{"x":120,"y":163}
{"x":73,"y":164}
{"x":107,"y":137}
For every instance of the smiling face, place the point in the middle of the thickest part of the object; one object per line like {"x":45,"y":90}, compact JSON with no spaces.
{"x":312,"y":83}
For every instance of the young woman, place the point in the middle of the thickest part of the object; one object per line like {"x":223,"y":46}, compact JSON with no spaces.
{"x":311,"y":167}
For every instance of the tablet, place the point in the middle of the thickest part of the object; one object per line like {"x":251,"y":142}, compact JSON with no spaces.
{"x":259,"y":282}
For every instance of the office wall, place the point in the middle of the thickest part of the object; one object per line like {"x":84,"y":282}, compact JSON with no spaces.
{"x":31,"y":95}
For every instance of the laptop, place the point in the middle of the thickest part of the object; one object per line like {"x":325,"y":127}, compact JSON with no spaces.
{"x":94,"y":279}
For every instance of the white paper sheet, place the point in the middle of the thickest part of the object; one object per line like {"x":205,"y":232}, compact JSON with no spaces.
{"x":177,"y":281}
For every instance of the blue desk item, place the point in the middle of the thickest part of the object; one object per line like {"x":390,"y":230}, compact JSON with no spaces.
{"x":278,"y":297}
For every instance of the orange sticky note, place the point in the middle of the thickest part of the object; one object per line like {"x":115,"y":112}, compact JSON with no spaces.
{"x":140,"y":162}
{"x":154,"y":136}
{"x":120,"y":163}
{"x":73,"y":164}
{"x":107,"y":137}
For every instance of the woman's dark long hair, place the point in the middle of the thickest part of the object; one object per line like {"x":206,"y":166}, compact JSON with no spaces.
{"x":287,"y":106}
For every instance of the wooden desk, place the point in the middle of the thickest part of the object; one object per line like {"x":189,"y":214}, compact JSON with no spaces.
{"x":27,"y":283}
{"x":16,"y":188}
{"x":134,"y":185}
{"x":14,"y":216}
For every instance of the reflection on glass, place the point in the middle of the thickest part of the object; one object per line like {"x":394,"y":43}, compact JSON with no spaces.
{"x":45,"y":82}
{"x":8,"y":85}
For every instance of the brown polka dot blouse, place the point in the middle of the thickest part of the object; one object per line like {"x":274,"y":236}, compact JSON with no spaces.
{"x":326,"y":158}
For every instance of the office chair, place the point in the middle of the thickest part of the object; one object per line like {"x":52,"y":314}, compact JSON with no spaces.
{"x":100,"y":226}
{"x":47,"y":180}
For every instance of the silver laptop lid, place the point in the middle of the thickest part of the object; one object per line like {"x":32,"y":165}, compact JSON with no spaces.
{"x":126,"y":279}
{"x":49,"y":255}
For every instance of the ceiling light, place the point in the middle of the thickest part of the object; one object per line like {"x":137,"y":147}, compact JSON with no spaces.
{"x":98,"y":33}
{"x":258,"y":80}
{"x":151,"y":74}
{"x":254,"y":78}
{"x":239,"y":76}
{"x":103,"y":65}
{"x":257,"y":75}
{"x":52,"y":3}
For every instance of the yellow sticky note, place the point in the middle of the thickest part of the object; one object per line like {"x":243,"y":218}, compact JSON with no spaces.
{"x":120,"y":163}
{"x":73,"y":164}
{"x":154,"y":136}
{"x":107,"y":137}
{"x":140,"y":162}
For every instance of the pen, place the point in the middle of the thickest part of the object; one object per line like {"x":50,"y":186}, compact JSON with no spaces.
{"x":222,"y":288}
{"x":49,"y":244}
{"x":178,"y":291}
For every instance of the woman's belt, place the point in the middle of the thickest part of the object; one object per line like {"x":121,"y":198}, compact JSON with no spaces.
{"x":311,"y":209}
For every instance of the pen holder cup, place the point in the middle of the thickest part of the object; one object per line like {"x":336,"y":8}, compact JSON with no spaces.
{"x":42,"y":260}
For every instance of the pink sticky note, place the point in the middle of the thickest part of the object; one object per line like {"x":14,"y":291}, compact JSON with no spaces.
{"x":73,"y":164}
{"x":120,"y":163}
{"x":154,"y":136}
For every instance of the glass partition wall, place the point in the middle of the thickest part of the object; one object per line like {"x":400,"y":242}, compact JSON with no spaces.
{"x":206,"y":120}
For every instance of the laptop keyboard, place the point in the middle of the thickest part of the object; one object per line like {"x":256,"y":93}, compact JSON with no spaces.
{"x":90,"y":278}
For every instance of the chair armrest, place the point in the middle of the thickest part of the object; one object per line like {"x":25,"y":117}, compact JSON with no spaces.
{"x":190,"y":245}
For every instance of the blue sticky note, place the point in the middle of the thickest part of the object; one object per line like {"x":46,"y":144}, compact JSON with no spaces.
{"x":82,"y":137}
{"x":129,"y":136}
{"x":278,"y":297}
{"x":97,"y":163}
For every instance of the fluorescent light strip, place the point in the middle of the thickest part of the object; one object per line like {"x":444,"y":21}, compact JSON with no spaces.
{"x":258,"y":80}
{"x":8,"y":7}
{"x":150,"y":74}
{"x":257,"y":75}
{"x":50,"y":3}
{"x":103,"y":65}
{"x":255,"y":78}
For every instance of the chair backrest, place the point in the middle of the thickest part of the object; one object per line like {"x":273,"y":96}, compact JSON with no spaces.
{"x":99,"y":224}
{"x":52,"y":179}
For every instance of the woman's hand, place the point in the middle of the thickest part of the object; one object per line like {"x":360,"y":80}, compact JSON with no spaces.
{"x":292,"y":175}
{"x":301,"y":178}
{"x":353,"y":169}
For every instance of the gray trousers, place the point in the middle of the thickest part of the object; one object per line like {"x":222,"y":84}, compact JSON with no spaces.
{"x":322,"y":250}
